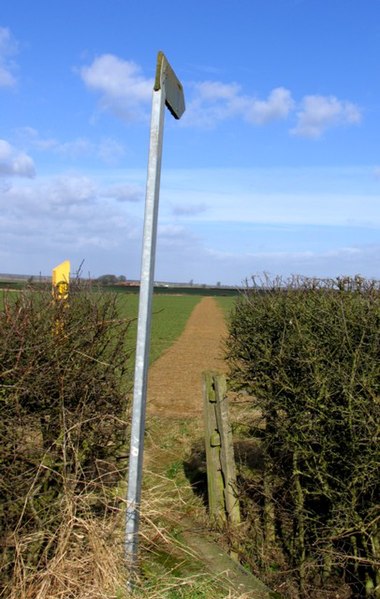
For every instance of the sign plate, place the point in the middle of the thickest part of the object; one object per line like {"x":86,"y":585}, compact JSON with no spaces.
{"x":60,"y":280}
{"x":168,"y":81}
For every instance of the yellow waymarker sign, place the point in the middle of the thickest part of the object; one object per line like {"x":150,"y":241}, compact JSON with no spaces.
{"x":60,"y":281}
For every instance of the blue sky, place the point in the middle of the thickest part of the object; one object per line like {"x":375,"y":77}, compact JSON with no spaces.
{"x":275,"y":166}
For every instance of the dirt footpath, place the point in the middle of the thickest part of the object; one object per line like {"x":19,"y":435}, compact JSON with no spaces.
{"x":174,"y":394}
{"x":175,"y":379}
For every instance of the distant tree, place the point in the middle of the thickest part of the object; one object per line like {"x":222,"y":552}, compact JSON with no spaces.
{"x":107,"y":279}
{"x":122,"y":279}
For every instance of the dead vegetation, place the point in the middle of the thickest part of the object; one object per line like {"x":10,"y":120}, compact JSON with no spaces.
{"x":62,"y":435}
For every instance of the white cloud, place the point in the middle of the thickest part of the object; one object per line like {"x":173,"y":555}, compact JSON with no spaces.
{"x":215,"y":101}
{"x":8,"y":48}
{"x":349,"y":260}
{"x":319,"y":113}
{"x":110,"y":151}
{"x":68,"y":191}
{"x":57,"y":198}
{"x":277,"y":106}
{"x":13,"y":162}
{"x":123,"y":88}
{"x":68,"y":213}
{"x":170,"y":234}
{"x":213,"y":91}
{"x":124,"y":193}
{"x":107,"y":150}
{"x":69,"y":197}
{"x":29,"y":136}
{"x":189,"y":209}
{"x":82,"y":217}
{"x":125,"y":91}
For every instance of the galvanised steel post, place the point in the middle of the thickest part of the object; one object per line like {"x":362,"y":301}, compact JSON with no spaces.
{"x":167,"y":91}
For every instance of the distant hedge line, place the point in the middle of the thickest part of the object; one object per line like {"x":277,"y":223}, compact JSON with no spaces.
{"x":177,"y":290}
{"x":308,"y":354}
{"x":120,"y":288}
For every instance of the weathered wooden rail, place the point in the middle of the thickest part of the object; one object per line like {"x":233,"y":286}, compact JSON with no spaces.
{"x":223,"y":500}
{"x":221,"y":472}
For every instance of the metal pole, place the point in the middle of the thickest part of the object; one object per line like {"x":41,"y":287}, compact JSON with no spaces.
{"x":167,"y":91}
{"x":143,"y":329}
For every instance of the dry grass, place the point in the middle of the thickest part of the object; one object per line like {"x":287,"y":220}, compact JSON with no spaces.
{"x":86,"y":562}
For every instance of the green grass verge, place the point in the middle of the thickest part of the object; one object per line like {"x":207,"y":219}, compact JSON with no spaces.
{"x":226,"y":304}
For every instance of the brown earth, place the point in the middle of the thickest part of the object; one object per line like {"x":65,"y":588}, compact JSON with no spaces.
{"x":175,"y":379}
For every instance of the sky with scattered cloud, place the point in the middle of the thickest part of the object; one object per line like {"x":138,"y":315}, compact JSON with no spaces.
{"x":274,"y":166}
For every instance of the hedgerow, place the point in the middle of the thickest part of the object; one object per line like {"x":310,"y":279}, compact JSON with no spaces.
{"x":308,"y":354}
{"x":63,"y":419}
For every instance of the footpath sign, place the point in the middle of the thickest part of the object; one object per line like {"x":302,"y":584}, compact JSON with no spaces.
{"x":60,"y":291}
{"x":168,"y":92}
{"x":61,"y":280}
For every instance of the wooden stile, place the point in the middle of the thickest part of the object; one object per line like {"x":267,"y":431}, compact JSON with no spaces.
{"x":221,"y":471}
{"x":227,"y":456}
{"x":215,"y":483}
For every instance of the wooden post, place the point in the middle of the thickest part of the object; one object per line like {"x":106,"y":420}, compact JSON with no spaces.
{"x":221,"y":471}
{"x":215,"y":482}
{"x":226,"y":451}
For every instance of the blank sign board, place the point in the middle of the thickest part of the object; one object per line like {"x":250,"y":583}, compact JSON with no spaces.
{"x":167,"y":79}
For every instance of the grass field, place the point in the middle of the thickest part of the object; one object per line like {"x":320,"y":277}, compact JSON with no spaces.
{"x":169,"y":316}
{"x":226,"y":304}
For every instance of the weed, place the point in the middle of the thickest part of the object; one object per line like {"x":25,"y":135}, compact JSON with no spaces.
{"x":173,"y":469}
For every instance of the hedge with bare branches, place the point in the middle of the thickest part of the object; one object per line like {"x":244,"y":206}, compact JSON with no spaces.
{"x":63,"y":418}
{"x":308,"y":352}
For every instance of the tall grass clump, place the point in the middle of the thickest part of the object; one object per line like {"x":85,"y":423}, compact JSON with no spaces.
{"x":307,"y":352}
{"x":62,"y":433}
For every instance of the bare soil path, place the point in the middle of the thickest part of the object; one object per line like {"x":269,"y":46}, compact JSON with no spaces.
{"x":175,"y":379}
{"x":174,"y":409}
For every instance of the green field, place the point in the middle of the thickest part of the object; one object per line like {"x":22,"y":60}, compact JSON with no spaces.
{"x":169,"y":316}
{"x":226,"y":304}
